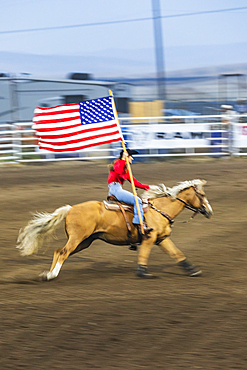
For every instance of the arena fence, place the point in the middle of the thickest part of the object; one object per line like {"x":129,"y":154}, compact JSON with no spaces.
{"x":153,"y":137}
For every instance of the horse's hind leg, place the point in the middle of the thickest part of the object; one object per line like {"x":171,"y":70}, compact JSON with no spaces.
{"x":60,"y":255}
{"x":73,"y":246}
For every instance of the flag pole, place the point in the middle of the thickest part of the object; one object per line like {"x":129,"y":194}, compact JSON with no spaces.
{"x":129,"y":168}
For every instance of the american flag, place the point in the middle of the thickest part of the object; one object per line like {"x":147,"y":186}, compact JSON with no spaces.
{"x":73,"y":127}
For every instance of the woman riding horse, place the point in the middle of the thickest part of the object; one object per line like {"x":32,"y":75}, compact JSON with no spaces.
{"x":117,"y":175}
{"x":89,"y":221}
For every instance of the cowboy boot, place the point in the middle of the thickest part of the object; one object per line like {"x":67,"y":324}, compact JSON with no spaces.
{"x":147,"y":229}
{"x":142,"y":236}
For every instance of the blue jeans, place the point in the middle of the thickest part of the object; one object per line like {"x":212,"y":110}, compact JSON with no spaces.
{"x":126,"y":197}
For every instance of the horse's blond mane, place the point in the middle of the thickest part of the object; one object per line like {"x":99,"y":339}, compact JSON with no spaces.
{"x":162,"y":191}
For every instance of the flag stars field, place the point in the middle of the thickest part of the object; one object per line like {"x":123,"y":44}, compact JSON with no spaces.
{"x":73,"y":127}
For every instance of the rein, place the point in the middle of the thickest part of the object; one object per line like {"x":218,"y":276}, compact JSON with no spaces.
{"x":191,"y":208}
{"x":188,"y":206}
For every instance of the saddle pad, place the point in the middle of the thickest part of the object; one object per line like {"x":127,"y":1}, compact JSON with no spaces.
{"x":113,"y":206}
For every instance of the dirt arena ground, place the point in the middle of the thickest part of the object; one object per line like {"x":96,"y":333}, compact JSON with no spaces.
{"x":97,"y":314}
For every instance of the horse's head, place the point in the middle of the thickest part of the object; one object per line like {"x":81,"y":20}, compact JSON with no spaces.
{"x":195,"y":198}
{"x":191,"y":193}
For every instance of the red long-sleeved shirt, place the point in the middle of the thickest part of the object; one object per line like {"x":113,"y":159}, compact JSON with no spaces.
{"x":120,"y":175}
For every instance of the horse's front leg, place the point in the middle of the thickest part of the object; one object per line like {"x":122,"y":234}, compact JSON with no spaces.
{"x":168,"y":246}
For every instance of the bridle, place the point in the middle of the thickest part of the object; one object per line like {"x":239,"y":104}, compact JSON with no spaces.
{"x":201,"y":209}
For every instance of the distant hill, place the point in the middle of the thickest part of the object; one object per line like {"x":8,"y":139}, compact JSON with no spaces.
{"x":140,"y":63}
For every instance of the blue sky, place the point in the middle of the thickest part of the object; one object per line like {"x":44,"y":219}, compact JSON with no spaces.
{"x":89,"y":38}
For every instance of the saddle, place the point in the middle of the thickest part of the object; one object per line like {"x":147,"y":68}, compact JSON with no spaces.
{"x":113,"y":204}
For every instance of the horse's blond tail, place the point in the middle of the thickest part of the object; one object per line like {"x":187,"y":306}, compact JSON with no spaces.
{"x":31,"y":238}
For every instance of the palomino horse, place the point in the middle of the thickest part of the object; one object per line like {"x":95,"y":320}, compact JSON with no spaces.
{"x":89,"y":221}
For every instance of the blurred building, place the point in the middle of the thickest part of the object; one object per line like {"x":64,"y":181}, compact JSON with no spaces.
{"x":201,"y":93}
{"x":20,"y":95}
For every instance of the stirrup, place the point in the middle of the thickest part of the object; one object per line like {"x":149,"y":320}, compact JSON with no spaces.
{"x":133,"y":247}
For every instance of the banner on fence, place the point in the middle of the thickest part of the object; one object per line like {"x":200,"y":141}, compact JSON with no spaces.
{"x":169,"y":136}
{"x":240,"y":135}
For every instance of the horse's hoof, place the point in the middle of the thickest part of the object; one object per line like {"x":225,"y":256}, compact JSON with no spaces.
{"x":43,"y":276}
{"x":142,"y":272}
{"x":190,"y":269}
{"x":195,"y":272}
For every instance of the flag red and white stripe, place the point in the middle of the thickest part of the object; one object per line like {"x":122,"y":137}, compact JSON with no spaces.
{"x":74,"y":127}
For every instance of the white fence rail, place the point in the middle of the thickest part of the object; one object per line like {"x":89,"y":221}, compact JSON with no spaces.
{"x":175,"y":136}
